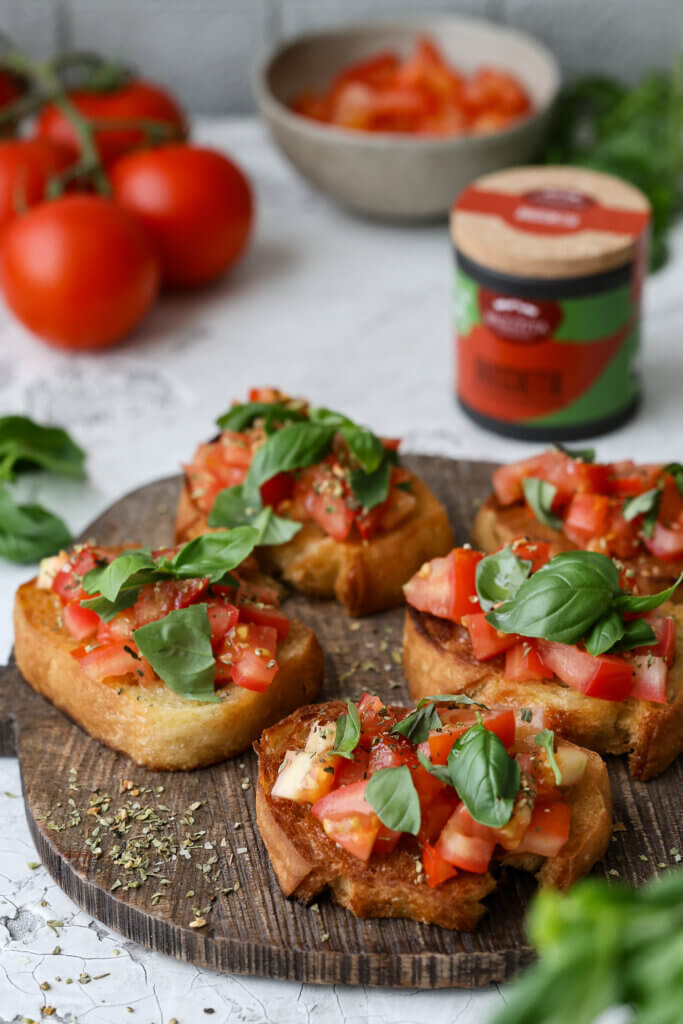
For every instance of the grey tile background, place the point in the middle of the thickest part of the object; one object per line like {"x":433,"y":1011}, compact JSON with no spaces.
{"x":207,"y":49}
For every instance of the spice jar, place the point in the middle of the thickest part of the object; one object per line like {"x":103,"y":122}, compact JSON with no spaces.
{"x":550,"y":264}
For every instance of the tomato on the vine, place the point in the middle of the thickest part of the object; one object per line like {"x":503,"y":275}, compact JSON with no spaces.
{"x":78,"y":271}
{"x":137,"y":100}
{"x":26,"y":165}
{"x":195,"y":204}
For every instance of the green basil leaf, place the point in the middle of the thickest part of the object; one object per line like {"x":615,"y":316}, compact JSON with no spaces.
{"x":439,"y":771}
{"x":212,"y":554}
{"x":274,"y":530}
{"x":499,"y":577}
{"x":371,"y":489}
{"x":108,"y":610}
{"x":364,"y":446}
{"x":25,"y":445}
{"x":561,"y":601}
{"x":578,"y":454}
{"x":131,"y":568}
{"x":231,"y":509}
{"x":675,"y":469}
{"x":329,"y":418}
{"x":392,"y":795}
{"x":646,"y":602}
{"x":451,"y":698}
{"x":417,"y":726}
{"x":643,"y":504}
{"x":240,"y":417}
{"x":178,"y":647}
{"x":606,"y":632}
{"x":29,"y":532}
{"x":348,"y":732}
{"x":546,"y":739}
{"x":484,"y":775}
{"x":637,"y":633}
{"x":540,"y":496}
{"x":294,"y":447}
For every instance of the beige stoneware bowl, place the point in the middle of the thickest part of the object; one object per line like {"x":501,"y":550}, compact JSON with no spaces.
{"x":390,"y":175}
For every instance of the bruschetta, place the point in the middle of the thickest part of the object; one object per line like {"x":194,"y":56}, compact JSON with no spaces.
{"x":384,"y":806}
{"x":339,"y":516}
{"x":631,"y":512}
{"x":565,"y":633}
{"x":176,"y":657}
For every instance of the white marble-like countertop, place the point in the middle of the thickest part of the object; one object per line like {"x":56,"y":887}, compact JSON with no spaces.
{"x":357,"y":316}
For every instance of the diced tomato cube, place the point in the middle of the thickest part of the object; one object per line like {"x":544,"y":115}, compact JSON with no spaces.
{"x":586,"y":517}
{"x":437,"y":870}
{"x":446,"y":587}
{"x":522,"y":663}
{"x":650,"y":678}
{"x":486,"y":640}
{"x":80,"y":622}
{"x":548,"y":829}
{"x":608,"y":676}
{"x":470,"y":853}
{"x":664,"y":627}
{"x":348,"y":819}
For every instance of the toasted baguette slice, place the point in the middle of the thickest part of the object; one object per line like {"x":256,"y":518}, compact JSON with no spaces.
{"x":151,"y":724}
{"x":438,"y":658}
{"x":496,"y":525}
{"x":364,"y":576}
{"x":306,"y":861}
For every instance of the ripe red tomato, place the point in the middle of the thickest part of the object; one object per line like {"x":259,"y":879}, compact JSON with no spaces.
{"x":79,"y":271}
{"x":196,"y":205}
{"x":138,"y":99}
{"x":25,"y":167}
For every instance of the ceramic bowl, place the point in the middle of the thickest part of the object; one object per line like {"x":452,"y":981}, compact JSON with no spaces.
{"x":393,"y":176}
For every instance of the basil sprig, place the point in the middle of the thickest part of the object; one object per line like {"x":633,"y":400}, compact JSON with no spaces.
{"x":417,"y":726}
{"x":178,"y":647}
{"x":242,"y":416}
{"x":484,"y":775}
{"x":499,"y":576}
{"x":347,"y":734}
{"x":25,"y":445}
{"x":29,"y":532}
{"x":231,"y":508}
{"x":546,"y":739}
{"x":540,"y":496}
{"x":392,"y":795}
{"x":212,"y":555}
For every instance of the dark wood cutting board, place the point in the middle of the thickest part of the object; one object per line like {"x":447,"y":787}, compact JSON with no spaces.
{"x":148,"y":853}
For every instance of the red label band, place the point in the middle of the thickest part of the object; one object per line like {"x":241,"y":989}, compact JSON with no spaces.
{"x":549,"y":212}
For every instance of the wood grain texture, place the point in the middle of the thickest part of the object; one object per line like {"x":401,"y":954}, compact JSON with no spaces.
{"x":254,"y":930}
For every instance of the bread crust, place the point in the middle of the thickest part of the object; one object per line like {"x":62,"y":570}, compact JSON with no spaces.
{"x":153,"y":725}
{"x":363,"y":576}
{"x":438,"y":658}
{"x":306,"y":861}
{"x":496,"y":524}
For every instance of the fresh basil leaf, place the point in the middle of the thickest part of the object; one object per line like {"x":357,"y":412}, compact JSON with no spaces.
{"x":178,"y":647}
{"x":108,"y":610}
{"x":329,"y":418}
{"x":212,"y":554}
{"x":451,"y":698}
{"x":561,"y":601}
{"x":499,"y":577}
{"x":364,"y":446}
{"x":646,"y":504}
{"x":294,"y":447}
{"x":348,"y":732}
{"x":131,"y":568}
{"x":274,"y":530}
{"x":540,"y":496}
{"x":371,"y":489}
{"x":579,"y":454}
{"x":484,"y":775}
{"x":647,"y":602}
{"x":232,"y":509}
{"x":240,"y":417}
{"x":392,"y":795}
{"x":546,"y":739}
{"x":29,"y":532}
{"x":675,"y":469}
{"x":606,"y":632}
{"x":439,"y":771}
{"x":637,"y":633}
{"x":25,"y":445}
{"x":417,"y":726}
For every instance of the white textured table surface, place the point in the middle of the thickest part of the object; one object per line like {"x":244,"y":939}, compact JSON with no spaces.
{"x":356,"y":316}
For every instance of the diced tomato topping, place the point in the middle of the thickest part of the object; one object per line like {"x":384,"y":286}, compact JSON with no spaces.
{"x":586,"y":517}
{"x":437,"y":870}
{"x":535,"y":551}
{"x":650,"y":678}
{"x":250,"y":671}
{"x":462,"y":821}
{"x":265,"y":395}
{"x":386,"y":840}
{"x":118,"y":628}
{"x":670,"y":512}
{"x":80,"y":622}
{"x":566,"y":474}
{"x":390,"y":751}
{"x":608,"y":676}
{"x":266,"y":615}
{"x":446,"y":587}
{"x":522,"y":662}
{"x":67,"y":582}
{"x":222,"y":618}
{"x":436,"y":813}
{"x":279,"y":488}
{"x":440,"y":743}
{"x":348,"y":819}
{"x":626,"y":479}
{"x":305,"y":776}
{"x":156,"y":600}
{"x":323,"y":496}
{"x":664,"y":627}
{"x":374,"y":718}
{"x":470,"y":853}
{"x":118,"y":658}
{"x":353,"y":769}
{"x":486,"y":640}
{"x":665,"y":543}
{"x":548,"y":829}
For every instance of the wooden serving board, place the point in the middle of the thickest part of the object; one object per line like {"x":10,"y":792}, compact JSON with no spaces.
{"x":139,"y":850}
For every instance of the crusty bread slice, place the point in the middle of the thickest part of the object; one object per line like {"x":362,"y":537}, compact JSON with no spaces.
{"x":496,"y":524}
{"x":364,"y":576}
{"x":438,"y":658}
{"x":306,"y":861}
{"x":151,"y":724}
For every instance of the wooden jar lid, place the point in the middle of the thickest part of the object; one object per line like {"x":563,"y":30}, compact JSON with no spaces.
{"x":549,"y":222}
